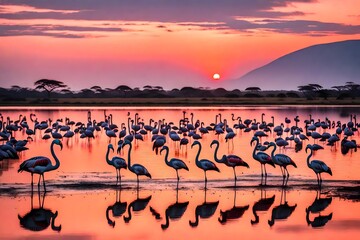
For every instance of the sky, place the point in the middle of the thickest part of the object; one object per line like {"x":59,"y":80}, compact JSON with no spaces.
{"x":166,"y":43}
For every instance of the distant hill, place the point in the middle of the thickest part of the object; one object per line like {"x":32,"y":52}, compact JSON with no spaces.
{"x":325,"y":64}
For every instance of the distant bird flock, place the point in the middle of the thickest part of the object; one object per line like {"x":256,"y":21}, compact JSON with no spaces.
{"x":187,"y":131}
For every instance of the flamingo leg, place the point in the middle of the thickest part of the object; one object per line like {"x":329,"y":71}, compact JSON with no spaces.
{"x":234,"y":175}
{"x":288,"y":175}
{"x":177,"y":174}
{"x":44,"y":182}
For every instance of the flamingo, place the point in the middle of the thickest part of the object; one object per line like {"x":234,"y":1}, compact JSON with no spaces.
{"x":204,"y":164}
{"x":40,"y":165}
{"x":263,"y":204}
{"x":136,"y":168}
{"x":235,"y":212}
{"x":40,"y":218}
{"x":116,"y":162}
{"x":174,"y":211}
{"x":229,"y":160}
{"x":137,"y":205}
{"x":174,"y":162}
{"x":262,"y":157}
{"x":117,"y":209}
{"x":317,"y":166}
{"x":283,"y":161}
{"x":282,"y":211}
{"x":204,"y":210}
{"x":319,"y":205}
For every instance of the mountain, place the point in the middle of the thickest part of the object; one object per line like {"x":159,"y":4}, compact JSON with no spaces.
{"x":325,"y":64}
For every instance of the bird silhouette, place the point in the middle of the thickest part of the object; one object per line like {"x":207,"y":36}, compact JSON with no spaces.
{"x":138,"y":169}
{"x":174,"y":211}
{"x":174,"y":162}
{"x":317,"y":166}
{"x":229,"y":160}
{"x":40,"y":218}
{"x":40,"y":165}
{"x":117,"y":209}
{"x":204,"y":210}
{"x":137,"y":205}
{"x":262,"y":157}
{"x":263,"y":204}
{"x":116,"y":162}
{"x":235,"y":212}
{"x":283,"y":161}
{"x":204,"y":164}
{"x":319,"y":205}
{"x":282,"y":211}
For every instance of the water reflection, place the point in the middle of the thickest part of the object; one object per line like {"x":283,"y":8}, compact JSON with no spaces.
{"x":117,"y":209}
{"x":38,"y":219}
{"x":137,"y":205}
{"x":233,"y":213}
{"x":174,"y":211}
{"x":204,"y":210}
{"x":319,"y":205}
{"x":262,"y":205}
{"x":282,"y":211}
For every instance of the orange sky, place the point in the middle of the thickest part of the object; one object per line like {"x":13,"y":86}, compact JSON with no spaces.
{"x":110,"y":44}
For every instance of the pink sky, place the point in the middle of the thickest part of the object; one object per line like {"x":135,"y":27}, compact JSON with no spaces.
{"x":168,"y":43}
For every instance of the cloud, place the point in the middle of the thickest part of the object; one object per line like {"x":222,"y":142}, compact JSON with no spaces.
{"x":226,"y":16}
{"x":53,"y":30}
{"x":150,"y":10}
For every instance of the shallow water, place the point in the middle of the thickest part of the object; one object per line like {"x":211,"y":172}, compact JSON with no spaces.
{"x":84,"y":187}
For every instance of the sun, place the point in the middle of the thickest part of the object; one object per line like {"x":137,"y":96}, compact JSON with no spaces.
{"x":216,"y":76}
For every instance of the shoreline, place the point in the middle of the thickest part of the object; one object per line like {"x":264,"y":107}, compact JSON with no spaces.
{"x":135,"y":102}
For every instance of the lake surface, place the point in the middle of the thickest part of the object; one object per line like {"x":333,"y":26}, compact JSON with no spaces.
{"x":85,"y":200}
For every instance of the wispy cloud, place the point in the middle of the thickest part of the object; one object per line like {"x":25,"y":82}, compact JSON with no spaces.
{"x":50,"y":30}
{"x":227,"y":16}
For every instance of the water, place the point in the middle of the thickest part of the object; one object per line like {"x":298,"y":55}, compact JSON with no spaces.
{"x":83,"y":190}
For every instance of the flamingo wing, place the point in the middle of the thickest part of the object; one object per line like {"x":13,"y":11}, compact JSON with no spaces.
{"x":178,"y":164}
{"x":233,"y":159}
{"x":207,"y":165}
{"x":264,"y":157}
{"x":119,"y":162}
{"x":319,"y":166}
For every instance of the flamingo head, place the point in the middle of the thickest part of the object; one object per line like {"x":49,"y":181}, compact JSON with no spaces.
{"x":126,"y":142}
{"x":58,"y":142}
{"x":308,"y":146}
{"x":214,"y":142}
{"x":164,"y":148}
{"x":254,"y":139}
{"x":110,"y":146}
{"x":195,"y":143}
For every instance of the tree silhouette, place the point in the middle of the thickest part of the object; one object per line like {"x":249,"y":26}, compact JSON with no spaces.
{"x":49,"y":85}
{"x":253,"y":89}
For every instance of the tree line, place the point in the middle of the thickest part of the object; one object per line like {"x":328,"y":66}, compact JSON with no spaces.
{"x":48,"y":88}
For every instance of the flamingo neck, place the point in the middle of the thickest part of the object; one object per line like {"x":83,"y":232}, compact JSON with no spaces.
{"x":129,"y":156}
{"x":308,"y":158}
{"x":166,"y":225}
{"x":53,"y":227}
{"x":254,"y":151}
{"x":107,"y":157}
{"x":166,"y":156}
{"x":108,"y":217}
{"x":57,"y":162}
{"x":215,"y":154}
{"x":197,"y":156}
{"x":273,"y":151}
{"x":129,"y":126}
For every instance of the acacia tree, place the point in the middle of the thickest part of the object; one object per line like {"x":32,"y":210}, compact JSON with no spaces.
{"x":49,"y":85}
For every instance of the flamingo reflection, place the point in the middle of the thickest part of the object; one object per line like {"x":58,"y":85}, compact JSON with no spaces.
{"x":282,"y":211}
{"x":117,"y":209}
{"x":205,"y":210}
{"x":38,"y":219}
{"x":319,"y":205}
{"x":233,"y":213}
{"x":137,"y":205}
{"x":174,"y":211}
{"x":261,"y":205}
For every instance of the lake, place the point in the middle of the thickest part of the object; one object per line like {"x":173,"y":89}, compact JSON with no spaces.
{"x":84,"y":201}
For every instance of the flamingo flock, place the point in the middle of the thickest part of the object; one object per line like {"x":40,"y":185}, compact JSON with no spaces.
{"x":187,"y":131}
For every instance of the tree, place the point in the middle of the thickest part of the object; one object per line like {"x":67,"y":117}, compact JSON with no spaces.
{"x":49,"y":85}
{"x":253,"y":89}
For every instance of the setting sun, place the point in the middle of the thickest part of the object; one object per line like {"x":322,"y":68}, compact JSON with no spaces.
{"x":216,"y":76}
